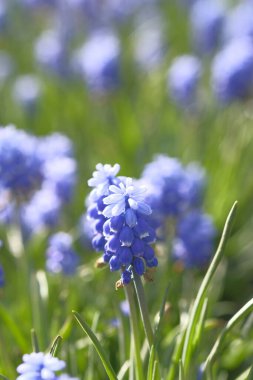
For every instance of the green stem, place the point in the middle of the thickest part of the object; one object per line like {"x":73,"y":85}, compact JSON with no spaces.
{"x":135,"y":331}
{"x":143,"y":309}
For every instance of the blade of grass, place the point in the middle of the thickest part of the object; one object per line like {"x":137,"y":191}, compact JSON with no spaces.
{"x":2,"y":377}
{"x":195,"y":312}
{"x":242,"y":313}
{"x":107,"y":365}
{"x":9,"y":323}
{"x":151,"y":363}
{"x":55,"y":346}
{"x":200,"y":325}
{"x":35,"y":343}
{"x":181,"y":371}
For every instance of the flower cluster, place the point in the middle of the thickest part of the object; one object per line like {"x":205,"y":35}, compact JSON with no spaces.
{"x":61,"y":258}
{"x":121,"y":222}
{"x":176,"y":193}
{"x":38,"y":176}
{"x":40,"y":366}
{"x":194,"y":239}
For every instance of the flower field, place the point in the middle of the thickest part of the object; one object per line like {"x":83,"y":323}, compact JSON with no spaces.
{"x":126,"y":194}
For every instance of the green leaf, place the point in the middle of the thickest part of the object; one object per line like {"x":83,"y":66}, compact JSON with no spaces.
{"x":198,"y":303}
{"x":107,"y":365}
{"x":55,"y":346}
{"x":161,"y":313}
{"x":35,"y":343}
{"x":9,"y":323}
{"x":2,"y":377}
{"x":151,"y":363}
{"x":242,"y":313}
{"x":200,"y":325}
{"x":181,"y":371}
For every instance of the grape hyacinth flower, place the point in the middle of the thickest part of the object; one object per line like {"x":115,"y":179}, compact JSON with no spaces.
{"x":123,"y":230}
{"x":2,"y":281}
{"x":182,"y":80}
{"x":39,"y":366}
{"x":193,"y":244}
{"x":60,"y":174}
{"x":97,"y":61}
{"x":50,"y":53}
{"x":61,"y":258}
{"x":239,"y":22}
{"x":26,"y":91}
{"x":172,"y":188}
{"x":206,"y":19}
{"x":20,"y":167}
{"x":41,"y":212}
{"x":232,"y":71}
{"x":55,"y":145}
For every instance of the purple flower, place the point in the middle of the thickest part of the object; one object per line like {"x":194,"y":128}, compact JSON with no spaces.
{"x":97,"y":61}
{"x":206,"y":23}
{"x":39,"y":366}
{"x":61,"y":258}
{"x":20,"y":167}
{"x":41,"y":212}
{"x":50,"y":53}
{"x":122,"y":229}
{"x":239,"y":22}
{"x":60,"y":174}
{"x":182,"y":80}
{"x":54,"y":146}
{"x":193,"y":244}
{"x":232,"y":71}
{"x":2,"y":280}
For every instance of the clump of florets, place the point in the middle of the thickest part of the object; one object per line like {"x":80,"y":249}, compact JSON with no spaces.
{"x":120,"y":219}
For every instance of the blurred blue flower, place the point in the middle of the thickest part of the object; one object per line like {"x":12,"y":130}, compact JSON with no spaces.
{"x":50,"y":53}
{"x":124,"y":307}
{"x":182,"y":80}
{"x":193,"y":245}
{"x":39,"y":366}
{"x":3,"y":14}
{"x":54,"y":146}
{"x":97,"y":61}
{"x":206,"y":19}
{"x":26,"y":91}
{"x":60,"y":174}
{"x":169,"y":193}
{"x":232,"y":71}
{"x":41,"y":212}
{"x":61,"y":258}
{"x":149,"y":41}
{"x":20,"y":167}
{"x":239,"y":22}
{"x":6,"y":66}
{"x":2,"y":280}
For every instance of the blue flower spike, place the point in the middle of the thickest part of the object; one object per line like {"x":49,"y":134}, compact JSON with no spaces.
{"x":125,"y":234}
